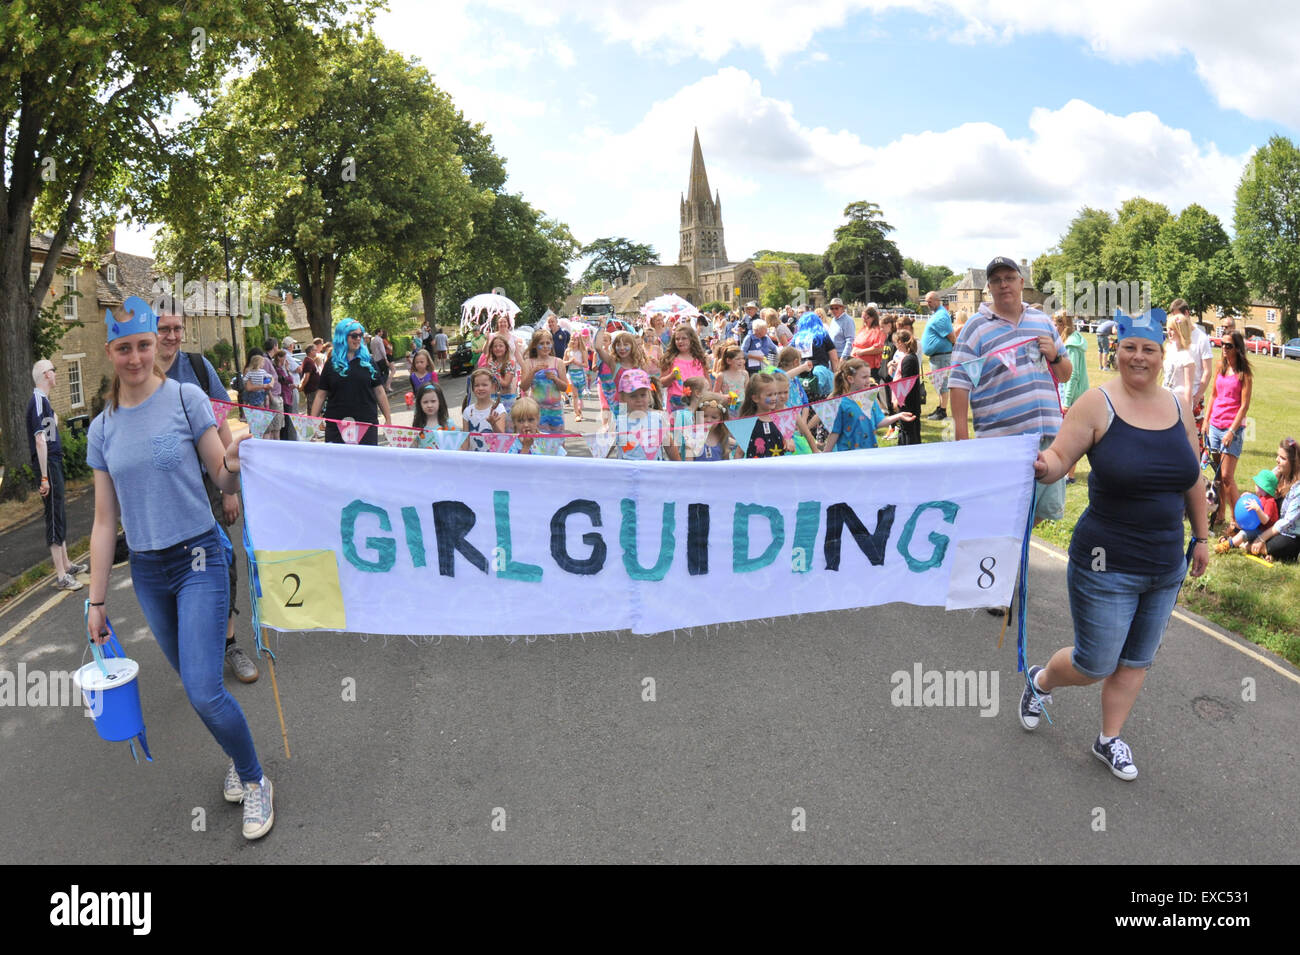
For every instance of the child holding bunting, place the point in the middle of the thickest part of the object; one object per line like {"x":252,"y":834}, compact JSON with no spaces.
{"x":855,"y":426}
{"x":641,"y":435}
{"x":762,"y":393}
{"x":148,"y":449}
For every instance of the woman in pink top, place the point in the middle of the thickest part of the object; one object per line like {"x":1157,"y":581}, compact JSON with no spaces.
{"x":1229,"y":402}
{"x":683,"y":359}
{"x":869,"y":343}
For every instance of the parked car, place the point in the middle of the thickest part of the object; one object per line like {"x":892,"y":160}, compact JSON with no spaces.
{"x":1292,"y":349}
{"x":1259,"y":345}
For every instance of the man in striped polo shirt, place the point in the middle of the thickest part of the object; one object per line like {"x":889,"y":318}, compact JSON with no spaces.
{"x":1013,"y":392}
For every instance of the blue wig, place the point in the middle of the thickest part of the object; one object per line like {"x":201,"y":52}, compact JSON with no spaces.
{"x":809,"y":332}
{"x":339,"y":353}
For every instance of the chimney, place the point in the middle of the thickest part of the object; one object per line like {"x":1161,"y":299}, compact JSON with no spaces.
{"x":112,"y":239}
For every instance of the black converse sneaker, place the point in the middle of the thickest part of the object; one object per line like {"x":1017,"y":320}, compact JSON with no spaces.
{"x":1117,"y":756}
{"x":1031,"y":701}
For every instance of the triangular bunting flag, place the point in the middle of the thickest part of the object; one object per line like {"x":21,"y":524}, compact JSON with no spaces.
{"x":305,"y":428}
{"x":259,"y":419}
{"x":694,"y":437}
{"x":785,"y":421}
{"x":220,"y":409}
{"x":449,"y":440}
{"x":352,"y":431}
{"x":742,"y":429}
{"x":1008,"y":359}
{"x":599,"y":443}
{"x":399,"y":437}
{"x":901,"y":389}
{"x":865,"y":399}
{"x":426,"y":438}
{"x":974,"y":371}
{"x":499,"y":443}
{"x":827,"y":410}
{"x":650,"y":439}
{"x":548,"y":446}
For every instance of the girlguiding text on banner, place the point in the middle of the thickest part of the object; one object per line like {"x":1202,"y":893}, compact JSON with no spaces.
{"x":398,"y":541}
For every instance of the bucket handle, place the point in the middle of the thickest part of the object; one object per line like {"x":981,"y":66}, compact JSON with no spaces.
{"x":112,"y":644}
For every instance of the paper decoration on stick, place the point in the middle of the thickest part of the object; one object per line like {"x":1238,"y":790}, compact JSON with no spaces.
{"x":785,"y":421}
{"x":742,"y":429}
{"x":449,"y":440}
{"x":599,"y":443}
{"x":352,"y":431}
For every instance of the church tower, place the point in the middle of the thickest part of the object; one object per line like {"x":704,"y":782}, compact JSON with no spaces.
{"x":702,"y":244}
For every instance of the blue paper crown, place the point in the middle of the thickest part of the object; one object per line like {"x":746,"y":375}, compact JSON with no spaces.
{"x":1149,"y":325}
{"x":142,"y":319}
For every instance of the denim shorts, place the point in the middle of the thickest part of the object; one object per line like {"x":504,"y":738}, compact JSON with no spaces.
{"x":1215,"y":442}
{"x":1119,"y":619}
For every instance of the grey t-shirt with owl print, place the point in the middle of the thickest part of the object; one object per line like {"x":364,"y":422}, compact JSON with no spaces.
{"x":149,"y":452}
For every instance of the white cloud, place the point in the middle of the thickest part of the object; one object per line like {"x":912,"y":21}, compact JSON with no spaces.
{"x":956,"y":196}
{"x":1243,"y":55}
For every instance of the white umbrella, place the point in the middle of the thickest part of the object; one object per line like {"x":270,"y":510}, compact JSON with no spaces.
{"x":669,"y":305}
{"x":481,"y":311}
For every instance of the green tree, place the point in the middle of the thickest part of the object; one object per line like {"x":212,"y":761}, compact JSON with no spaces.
{"x":1267,"y":222}
{"x":1194,"y":260}
{"x":810,"y":264}
{"x":1128,"y":250}
{"x":1081,"y":246}
{"x":1049,"y":267}
{"x":929,"y":277}
{"x":613,"y":258}
{"x":366,"y":164}
{"x":81,"y":88}
{"x":777,"y":281}
{"x":860,"y":244}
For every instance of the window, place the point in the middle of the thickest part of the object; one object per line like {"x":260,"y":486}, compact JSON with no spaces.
{"x":1272,"y":315}
{"x":110,"y":273}
{"x":749,"y":285}
{"x":75,"y":396}
{"x":70,"y":304}
{"x":33,"y":274}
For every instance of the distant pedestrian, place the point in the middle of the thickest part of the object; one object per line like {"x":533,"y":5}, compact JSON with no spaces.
{"x":47,"y":463}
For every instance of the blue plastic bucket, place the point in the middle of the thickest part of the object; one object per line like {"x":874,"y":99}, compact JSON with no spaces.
{"x":110,"y":687}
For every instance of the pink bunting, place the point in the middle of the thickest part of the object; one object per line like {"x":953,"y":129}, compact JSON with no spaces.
{"x":497,"y":443}
{"x":901,"y":389}
{"x":785,"y":421}
{"x":352,"y":431}
{"x":220,"y":409}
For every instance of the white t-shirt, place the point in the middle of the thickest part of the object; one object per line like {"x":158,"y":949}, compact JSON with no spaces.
{"x":1202,"y":351}
{"x":476,"y":422}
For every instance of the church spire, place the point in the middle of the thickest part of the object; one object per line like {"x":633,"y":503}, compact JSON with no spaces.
{"x":699,"y":186}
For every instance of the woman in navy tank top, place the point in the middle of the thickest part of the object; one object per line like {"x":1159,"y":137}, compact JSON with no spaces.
{"x":1127,"y":560}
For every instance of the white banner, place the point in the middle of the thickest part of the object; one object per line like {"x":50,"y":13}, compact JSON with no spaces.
{"x":395,"y":541}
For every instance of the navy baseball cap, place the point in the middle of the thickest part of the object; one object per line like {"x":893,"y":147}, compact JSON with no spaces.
{"x":1001,"y":262}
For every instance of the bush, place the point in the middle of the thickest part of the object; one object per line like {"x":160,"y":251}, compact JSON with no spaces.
{"x":74,"y":463}
{"x":401,"y":345}
{"x":711,"y":307}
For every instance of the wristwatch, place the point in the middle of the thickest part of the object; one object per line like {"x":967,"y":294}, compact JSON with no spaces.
{"x":1058,"y":357}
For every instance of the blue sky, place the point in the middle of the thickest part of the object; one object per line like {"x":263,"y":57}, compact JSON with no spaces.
{"x":979,"y":126}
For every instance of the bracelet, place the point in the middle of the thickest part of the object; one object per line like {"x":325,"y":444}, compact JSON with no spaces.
{"x":93,"y":604}
{"x":1200,"y":540}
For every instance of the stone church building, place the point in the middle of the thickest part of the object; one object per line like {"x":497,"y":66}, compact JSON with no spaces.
{"x":703,"y":272}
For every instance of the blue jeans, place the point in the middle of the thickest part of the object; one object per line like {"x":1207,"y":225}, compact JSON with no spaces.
{"x":1119,"y":619}
{"x":186,"y":610}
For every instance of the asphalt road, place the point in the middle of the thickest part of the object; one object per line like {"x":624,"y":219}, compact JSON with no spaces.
{"x":753,"y":728}
{"x":750,"y":724}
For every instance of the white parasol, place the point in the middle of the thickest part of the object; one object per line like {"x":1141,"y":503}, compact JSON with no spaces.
{"x":480,"y":312}
{"x":670,"y":306}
